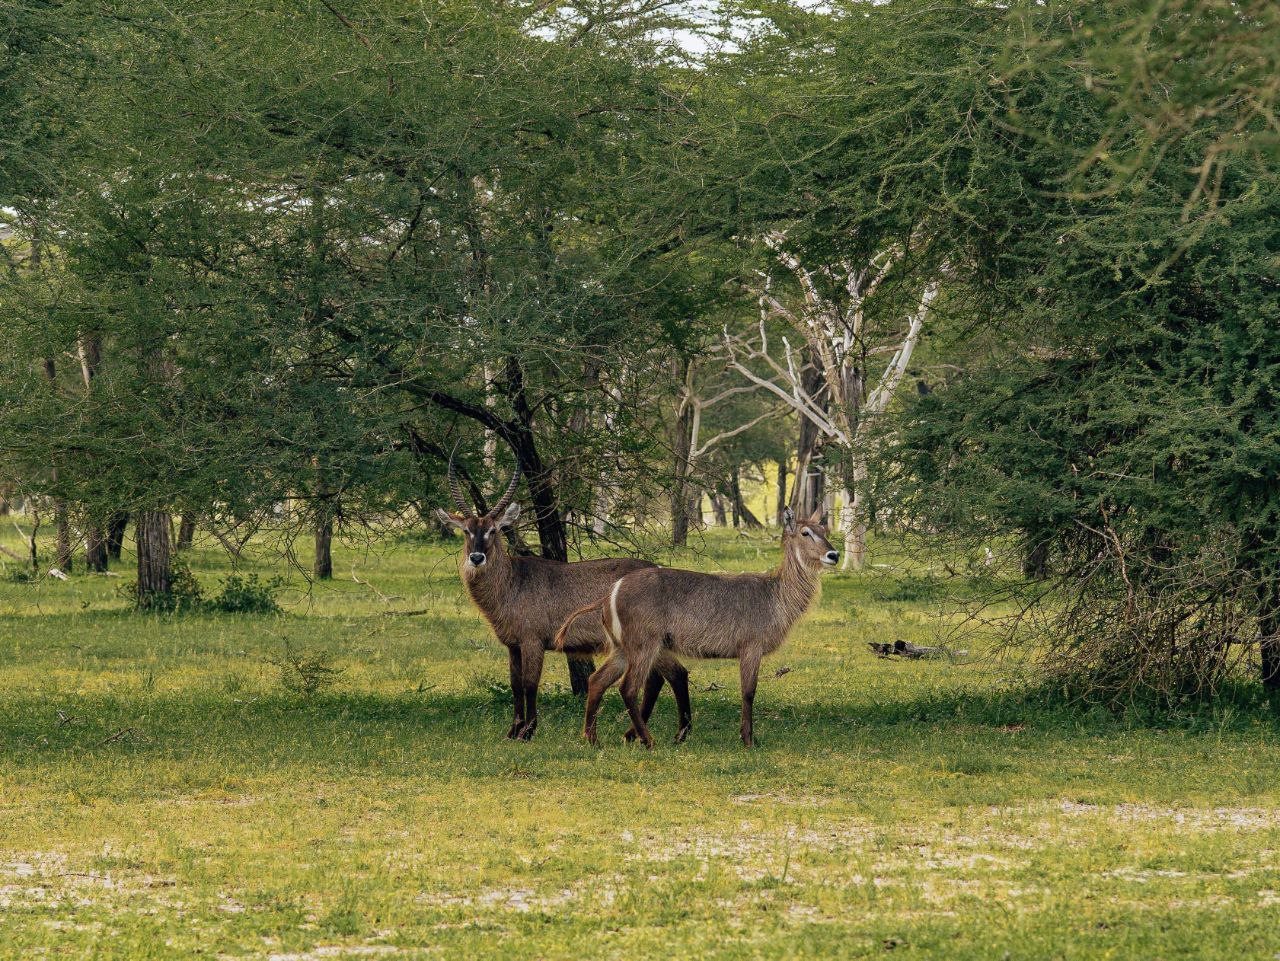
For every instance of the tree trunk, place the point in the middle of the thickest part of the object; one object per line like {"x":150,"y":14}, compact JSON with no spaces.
{"x":855,"y":531}
{"x":117,"y":523}
{"x":186,"y":530}
{"x":34,"y":513}
{"x":808,"y":489}
{"x":61,"y":520}
{"x":1035,"y":557}
{"x":696,"y":520}
{"x":4,"y":505}
{"x":95,"y":549}
{"x":322,"y":570}
{"x":62,"y":558}
{"x":782,"y":491}
{"x":681,"y":438}
{"x":718,"y":511}
{"x":155,"y":571}
{"x":741,"y":512}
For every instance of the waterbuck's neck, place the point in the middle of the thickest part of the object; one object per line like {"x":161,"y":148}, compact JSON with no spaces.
{"x":796,"y":581}
{"x":490,"y":584}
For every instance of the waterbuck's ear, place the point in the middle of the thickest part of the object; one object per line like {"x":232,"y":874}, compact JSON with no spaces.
{"x":450,"y":520}
{"x":815,"y":519}
{"x":788,"y":521}
{"x":509,"y":516}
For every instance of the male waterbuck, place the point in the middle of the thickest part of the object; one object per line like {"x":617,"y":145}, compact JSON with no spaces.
{"x":525,"y":600}
{"x":652,"y":613}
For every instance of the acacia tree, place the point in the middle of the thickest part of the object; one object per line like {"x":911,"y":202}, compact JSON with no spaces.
{"x":845,"y":345}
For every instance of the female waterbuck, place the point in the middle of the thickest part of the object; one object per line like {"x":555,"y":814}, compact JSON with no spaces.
{"x":525,"y":599}
{"x":652,"y":613}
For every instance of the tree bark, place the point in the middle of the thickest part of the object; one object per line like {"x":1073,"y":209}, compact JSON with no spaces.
{"x":808,"y":489}
{"x":62,"y":558}
{"x":782,"y":491}
{"x":186,"y":530}
{"x":34,"y":513}
{"x":61,"y":520}
{"x":95,"y":550}
{"x":681,"y":439}
{"x":1035,"y":557}
{"x":742,"y":514}
{"x":322,"y":568}
{"x":155,"y":562}
{"x":855,"y":530}
{"x":117,"y":523}
{"x":718,"y":511}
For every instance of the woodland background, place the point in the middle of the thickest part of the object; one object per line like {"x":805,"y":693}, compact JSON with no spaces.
{"x":998,"y":279}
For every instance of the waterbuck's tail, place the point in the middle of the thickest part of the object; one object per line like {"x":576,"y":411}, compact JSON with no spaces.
{"x":563,"y":633}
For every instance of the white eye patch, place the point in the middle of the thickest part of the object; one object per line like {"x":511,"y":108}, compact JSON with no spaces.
{"x":806,"y":532}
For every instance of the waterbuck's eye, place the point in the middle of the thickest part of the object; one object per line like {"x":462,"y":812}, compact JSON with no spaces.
{"x":806,"y":532}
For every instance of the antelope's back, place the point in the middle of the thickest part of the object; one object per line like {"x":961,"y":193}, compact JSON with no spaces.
{"x":696,"y":613}
{"x":561,"y":589}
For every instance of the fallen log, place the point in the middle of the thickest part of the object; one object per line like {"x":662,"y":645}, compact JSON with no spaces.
{"x":914,"y":652}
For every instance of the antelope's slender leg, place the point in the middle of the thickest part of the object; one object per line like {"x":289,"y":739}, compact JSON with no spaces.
{"x":517,"y":690}
{"x":678,"y":678}
{"x":652,"y":688}
{"x":531,"y":662}
{"x":749,"y":674}
{"x":604,"y":678}
{"x":637,"y":671}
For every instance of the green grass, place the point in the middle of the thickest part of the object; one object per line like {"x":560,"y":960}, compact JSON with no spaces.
{"x":165,"y":794}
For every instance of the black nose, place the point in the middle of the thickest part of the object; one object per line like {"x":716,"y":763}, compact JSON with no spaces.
{"x":476,"y":558}
{"x":833,"y":556}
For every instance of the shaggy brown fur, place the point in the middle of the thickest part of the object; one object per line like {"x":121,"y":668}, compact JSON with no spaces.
{"x":526,"y":599}
{"x":659,"y":611}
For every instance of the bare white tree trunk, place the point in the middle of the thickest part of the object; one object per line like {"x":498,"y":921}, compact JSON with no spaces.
{"x":831,"y":316}
{"x":854,"y":524}
{"x":490,"y":438}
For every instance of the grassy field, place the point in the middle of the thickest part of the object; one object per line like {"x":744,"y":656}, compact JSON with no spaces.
{"x":165,"y":792}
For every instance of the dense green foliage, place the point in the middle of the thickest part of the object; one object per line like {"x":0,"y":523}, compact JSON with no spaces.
{"x":281,"y":261}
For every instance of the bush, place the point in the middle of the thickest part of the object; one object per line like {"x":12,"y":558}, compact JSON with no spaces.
{"x":304,"y":672}
{"x":185,"y":593}
{"x":240,"y":594}
{"x":247,"y":595}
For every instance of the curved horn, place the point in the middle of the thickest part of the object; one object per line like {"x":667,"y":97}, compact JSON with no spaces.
{"x":501,"y":506}
{"x":456,"y":490}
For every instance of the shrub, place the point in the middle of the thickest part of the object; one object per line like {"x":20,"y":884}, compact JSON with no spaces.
{"x":247,"y":595}
{"x":304,"y":672}
{"x":184,"y":594}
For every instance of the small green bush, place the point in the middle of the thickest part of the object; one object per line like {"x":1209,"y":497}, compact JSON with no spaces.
{"x":304,"y":672}
{"x":247,"y":595}
{"x":184,"y":594}
{"x":239,"y":594}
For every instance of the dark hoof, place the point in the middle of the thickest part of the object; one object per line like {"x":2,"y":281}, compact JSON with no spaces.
{"x":683,"y":733}
{"x":514,"y":729}
{"x":630,"y":735}
{"x":526,"y":733}
{"x":590,"y":735}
